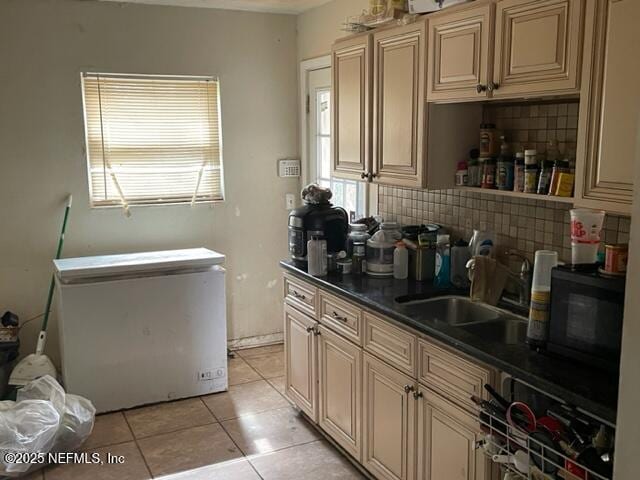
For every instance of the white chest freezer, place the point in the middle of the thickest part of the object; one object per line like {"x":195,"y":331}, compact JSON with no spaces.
{"x":142,"y":328}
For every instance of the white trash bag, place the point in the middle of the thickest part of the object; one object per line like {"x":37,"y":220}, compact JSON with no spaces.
{"x":43,"y":419}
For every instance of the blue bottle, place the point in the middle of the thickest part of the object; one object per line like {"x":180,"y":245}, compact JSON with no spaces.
{"x":443,"y":262}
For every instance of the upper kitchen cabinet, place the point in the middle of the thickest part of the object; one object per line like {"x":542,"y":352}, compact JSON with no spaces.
{"x":538,"y":47}
{"x":399,"y":56}
{"x":351,"y":67}
{"x":459,"y":54}
{"x":608,"y":133}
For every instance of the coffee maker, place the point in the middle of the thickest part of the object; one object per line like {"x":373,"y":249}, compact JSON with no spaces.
{"x":317,"y":217}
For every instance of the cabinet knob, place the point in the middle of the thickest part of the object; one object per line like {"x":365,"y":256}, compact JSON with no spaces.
{"x":364,"y":175}
{"x":372,"y":175}
{"x":417,"y":394}
{"x":493,"y":86}
{"x":409,"y":388}
{"x":310,"y":329}
{"x":481,"y":88}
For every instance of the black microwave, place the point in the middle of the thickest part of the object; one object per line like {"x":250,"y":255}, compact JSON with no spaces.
{"x":585,"y":322}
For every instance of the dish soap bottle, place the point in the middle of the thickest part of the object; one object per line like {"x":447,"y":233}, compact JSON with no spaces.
{"x":443,"y":261}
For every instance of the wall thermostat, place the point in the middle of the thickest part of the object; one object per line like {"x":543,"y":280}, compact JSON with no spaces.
{"x":289,"y":167}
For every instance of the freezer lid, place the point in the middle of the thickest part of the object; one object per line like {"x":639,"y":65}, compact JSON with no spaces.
{"x":136,"y":263}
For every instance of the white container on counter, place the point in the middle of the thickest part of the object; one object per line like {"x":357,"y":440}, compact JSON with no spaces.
{"x":380,"y":248}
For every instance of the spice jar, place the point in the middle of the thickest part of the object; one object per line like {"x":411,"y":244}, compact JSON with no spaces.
{"x":530,"y":171}
{"x":488,"y":172}
{"x":462,"y":174}
{"x":488,"y":140}
{"x":504,"y":168}
{"x":474,"y":173}
{"x":544,"y":180}
{"x":518,"y":173}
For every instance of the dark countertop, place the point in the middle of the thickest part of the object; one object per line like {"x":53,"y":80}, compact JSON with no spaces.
{"x":591,"y":390}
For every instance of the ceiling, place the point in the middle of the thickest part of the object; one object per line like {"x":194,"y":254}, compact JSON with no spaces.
{"x":272,"y":6}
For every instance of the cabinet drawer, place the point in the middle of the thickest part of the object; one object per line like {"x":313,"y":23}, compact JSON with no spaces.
{"x":341,"y":317}
{"x":451,"y":376}
{"x":390,"y":343}
{"x":301,"y":295}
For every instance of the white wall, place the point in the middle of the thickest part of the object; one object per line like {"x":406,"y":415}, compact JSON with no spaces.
{"x":44,"y":45}
{"x":320,"y":27}
{"x":627,"y":466}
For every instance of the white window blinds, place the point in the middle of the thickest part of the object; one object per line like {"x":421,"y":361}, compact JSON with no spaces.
{"x":153,"y":140}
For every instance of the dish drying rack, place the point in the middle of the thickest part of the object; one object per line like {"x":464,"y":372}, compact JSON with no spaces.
{"x":501,"y":441}
{"x":537,"y":460}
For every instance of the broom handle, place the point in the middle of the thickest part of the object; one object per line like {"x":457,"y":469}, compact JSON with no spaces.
{"x":58,"y":253}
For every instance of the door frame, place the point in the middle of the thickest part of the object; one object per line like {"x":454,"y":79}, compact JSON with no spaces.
{"x":306,"y":66}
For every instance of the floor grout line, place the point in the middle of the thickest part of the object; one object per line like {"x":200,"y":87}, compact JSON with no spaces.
{"x":135,"y":441}
{"x":234,"y":442}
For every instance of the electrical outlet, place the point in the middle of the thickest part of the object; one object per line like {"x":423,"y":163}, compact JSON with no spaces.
{"x":290,"y":201}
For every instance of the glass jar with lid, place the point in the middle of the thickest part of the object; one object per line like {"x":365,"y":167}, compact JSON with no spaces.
{"x":357,"y":239}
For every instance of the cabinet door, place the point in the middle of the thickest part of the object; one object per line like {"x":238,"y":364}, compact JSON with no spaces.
{"x":399,"y":101}
{"x":388,"y":421}
{"x":447,"y":437}
{"x":351,"y":112}
{"x":538,"y":47}
{"x":459,"y":54}
{"x":608,"y":138}
{"x":340,"y":390}
{"x":300,"y":360}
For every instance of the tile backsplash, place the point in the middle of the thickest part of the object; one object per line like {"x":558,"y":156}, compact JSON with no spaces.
{"x":524,"y":224}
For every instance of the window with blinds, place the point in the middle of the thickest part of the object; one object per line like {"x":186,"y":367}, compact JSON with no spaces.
{"x":153,"y":139}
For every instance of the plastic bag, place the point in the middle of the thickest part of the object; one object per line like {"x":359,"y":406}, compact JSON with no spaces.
{"x":77,"y":423}
{"x":29,"y":426}
{"x":43,"y":419}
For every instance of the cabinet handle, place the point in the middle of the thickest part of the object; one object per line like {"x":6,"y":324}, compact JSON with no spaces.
{"x":373,"y":175}
{"x":481,"y":88}
{"x":335,"y":315}
{"x":310,"y":329}
{"x":298,"y":295}
{"x":409,"y":388}
{"x":316,"y":331}
{"x":493,"y":86}
{"x":417,"y":395}
{"x":364,"y":175}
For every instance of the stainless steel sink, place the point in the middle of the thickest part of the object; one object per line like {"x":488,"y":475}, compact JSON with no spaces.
{"x":507,"y":331}
{"x":481,"y":320}
{"x":453,"y":310}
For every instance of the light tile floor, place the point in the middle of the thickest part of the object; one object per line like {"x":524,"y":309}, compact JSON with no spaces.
{"x":250,"y":432}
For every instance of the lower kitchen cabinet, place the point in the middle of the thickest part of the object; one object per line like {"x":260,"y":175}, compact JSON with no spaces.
{"x":447,"y":439}
{"x":340,"y":389}
{"x":397,"y":405}
{"x":388,"y":421}
{"x":300,"y":360}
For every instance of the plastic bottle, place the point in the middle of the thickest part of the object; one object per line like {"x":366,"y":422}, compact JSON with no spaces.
{"x":400,"y":261}
{"x":538,"y":327}
{"x":460,"y":255}
{"x":518,"y":172}
{"x":443,"y":261}
{"x":504,"y":169}
{"x":317,"y":256}
{"x":530,"y":171}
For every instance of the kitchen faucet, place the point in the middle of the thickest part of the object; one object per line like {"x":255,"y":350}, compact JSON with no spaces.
{"x":522,"y":280}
